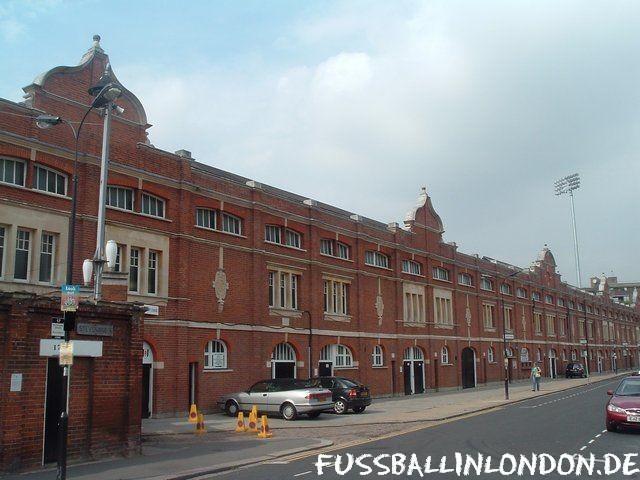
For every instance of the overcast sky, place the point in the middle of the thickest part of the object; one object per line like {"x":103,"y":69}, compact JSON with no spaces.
{"x":359,"y":104}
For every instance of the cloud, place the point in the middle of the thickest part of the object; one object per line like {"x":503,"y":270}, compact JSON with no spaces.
{"x":15,"y":17}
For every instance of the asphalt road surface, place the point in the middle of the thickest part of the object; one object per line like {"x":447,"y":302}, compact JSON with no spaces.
{"x":553,"y":431}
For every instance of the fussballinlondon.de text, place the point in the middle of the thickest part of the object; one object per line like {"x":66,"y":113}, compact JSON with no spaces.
{"x":397,"y":464}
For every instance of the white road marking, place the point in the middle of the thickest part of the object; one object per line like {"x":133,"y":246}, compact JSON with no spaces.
{"x":301,"y":474}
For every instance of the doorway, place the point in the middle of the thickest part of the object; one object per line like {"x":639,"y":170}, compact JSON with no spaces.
{"x":413,"y":369}
{"x":147,"y":380}
{"x":283,"y":361}
{"x":53,"y":409}
{"x":553,"y":366}
{"x":468,"y":368}
{"x":326,"y":369}
{"x":193,"y":368}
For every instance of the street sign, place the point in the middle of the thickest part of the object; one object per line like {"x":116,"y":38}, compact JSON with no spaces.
{"x":583,"y":341}
{"x":50,"y":347}
{"x":70,"y":298}
{"x":57,"y":327}
{"x":509,"y":336}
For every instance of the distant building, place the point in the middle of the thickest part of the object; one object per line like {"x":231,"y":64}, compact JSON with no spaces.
{"x":244,"y":281}
{"x":622,"y":292}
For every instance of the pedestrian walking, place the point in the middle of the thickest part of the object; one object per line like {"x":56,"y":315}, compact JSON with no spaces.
{"x":536,"y":373}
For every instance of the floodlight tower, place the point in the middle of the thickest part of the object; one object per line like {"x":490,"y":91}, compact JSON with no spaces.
{"x":567,"y":185}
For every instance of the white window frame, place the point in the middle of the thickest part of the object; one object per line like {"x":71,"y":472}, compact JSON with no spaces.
{"x":411,"y":267}
{"x":292,"y":238}
{"x":442,"y":308}
{"x":283,"y":289}
{"x":273,"y":234}
{"x":120,"y":197}
{"x":50,"y":176}
{"x":153,"y":267}
{"x":343,"y":251}
{"x":444,"y":355}
{"x":440,"y":273}
{"x":153,"y":206}
{"x":486,"y":284}
{"x":23,"y":244}
{"x":376,"y":259}
{"x":505,"y":289}
{"x":134,"y":269}
{"x":521,"y":292}
{"x":413,"y":303}
{"x":206,"y":218}
{"x":47,"y":257}
{"x":215,"y":355}
{"x":335,"y":296}
{"x":377,"y":356}
{"x":491,"y":355}
{"x":326,"y":247}
{"x":231,"y":224}
{"x":535,"y":296}
{"x":548,"y":299}
{"x":465,"y":279}
{"x":11,"y":165}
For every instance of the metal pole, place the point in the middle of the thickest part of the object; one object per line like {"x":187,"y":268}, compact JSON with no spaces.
{"x":98,"y":258}
{"x":504,"y":350}
{"x":575,"y":239}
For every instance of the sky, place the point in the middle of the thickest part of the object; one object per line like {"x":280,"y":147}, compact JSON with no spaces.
{"x":360,"y":104}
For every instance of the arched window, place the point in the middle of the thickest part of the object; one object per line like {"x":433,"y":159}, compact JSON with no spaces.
{"x":539,"y":355}
{"x":491,"y":355}
{"x":444,"y":355}
{"x":340,"y":355}
{"x":524,"y":354}
{"x":377,"y":357}
{"x":284,"y":352}
{"x":413,"y":353}
{"x":574,"y":355}
{"x":215,"y":355}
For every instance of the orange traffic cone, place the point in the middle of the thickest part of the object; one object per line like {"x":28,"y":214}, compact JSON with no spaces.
{"x":193,"y":414}
{"x":200,"y":425}
{"x":253,"y":420}
{"x":240,"y":426}
{"x":264,"y":428}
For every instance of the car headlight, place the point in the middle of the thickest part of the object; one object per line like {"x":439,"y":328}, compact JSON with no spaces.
{"x":614,"y":408}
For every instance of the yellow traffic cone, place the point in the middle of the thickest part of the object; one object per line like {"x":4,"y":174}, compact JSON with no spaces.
{"x":193,"y":414}
{"x":253,"y":420}
{"x":200,"y":425}
{"x":264,"y":428}
{"x":240,"y":426}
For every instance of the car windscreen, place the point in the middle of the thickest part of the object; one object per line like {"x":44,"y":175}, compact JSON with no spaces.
{"x":629,"y":388}
{"x":349,"y":383}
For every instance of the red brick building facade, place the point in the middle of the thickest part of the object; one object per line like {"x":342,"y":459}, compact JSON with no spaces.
{"x":246,"y":281}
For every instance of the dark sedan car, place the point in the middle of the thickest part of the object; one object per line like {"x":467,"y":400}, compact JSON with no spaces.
{"x":347,"y":394}
{"x":623,"y":408}
{"x":575,"y":370}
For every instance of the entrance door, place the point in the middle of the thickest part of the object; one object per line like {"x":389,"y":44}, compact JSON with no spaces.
{"x":53,"y":409}
{"x":468,"y":368}
{"x":283,"y":361}
{"x":553,"y":367}
{"x":418,"y":376}
{"x":413,"y":364}
{"x":147,"y":380}
{"x":406,"y":370}
{"x":326,"y":369}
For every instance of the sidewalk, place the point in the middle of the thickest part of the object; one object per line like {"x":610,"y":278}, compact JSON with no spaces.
{"x":171,"y":451}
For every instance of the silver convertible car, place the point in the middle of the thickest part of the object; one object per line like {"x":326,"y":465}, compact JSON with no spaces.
{"x":287,"y":397}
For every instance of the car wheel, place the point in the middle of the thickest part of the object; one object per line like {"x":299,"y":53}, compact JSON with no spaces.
{"x":359,"y":409}
{"x":313,"y":414}
{"x":340,"y":407}
{"x":611,"y":427}
{"x":231,"y":408}
{"x":288,"y":411}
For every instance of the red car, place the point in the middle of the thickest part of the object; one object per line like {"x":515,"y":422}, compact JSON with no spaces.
{"x":623,"y":408}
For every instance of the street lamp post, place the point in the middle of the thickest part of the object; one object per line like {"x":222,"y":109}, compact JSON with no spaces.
{"x":504,"y":334}
{"x":310,"y":346}
{"x":105,"y":92}
{"x":567,"y":185}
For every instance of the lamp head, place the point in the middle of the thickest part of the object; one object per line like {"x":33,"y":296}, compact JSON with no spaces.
{"x":47,"y":121}
{"x":105,"y":91}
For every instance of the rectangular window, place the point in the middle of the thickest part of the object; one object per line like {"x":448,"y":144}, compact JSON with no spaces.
{"x":548,"y":299}
{"x":537,"y":323}
{"x":152,"y":205}
{"x":508,"y":314}
{"x":293,"y":239}
{"x":119,"y":197}
{"x":343,"y":251}
{"x":376,"y":259}
{"x":231,"y":224}
{"x":23,"y":243}
{"x":465,"y":279}
{"x":152,"y":273}
{"x":118,"y":266}
{"x":489,"y":321}
{"x":551,"y":325}
{"x":562,"y":326}
{"x":486,"y":284}
{"x":326,"y":247}
{"x":2,"y":240}
{"x":535,"y":296}
{"x":440,"y":273}
{"x":46,"y":258}
{"x":49,"y":180}
{"x":335,"y":297}
{"x":412,"y":267}
{"x":505,"y":289}
{"x":206,"y":218}
{"x":561,"y":302}
{"x":134,"y":270}
{"x":272,"y":233}
{"x":12,"y":171}
{"x":521,"y":292}
{"x":443,"y":309}
{"x":283,"y":290}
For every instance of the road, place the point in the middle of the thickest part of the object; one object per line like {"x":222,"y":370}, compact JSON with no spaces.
{"x":561,"y":426}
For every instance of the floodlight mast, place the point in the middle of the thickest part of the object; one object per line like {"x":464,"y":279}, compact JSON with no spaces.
{"x":567,"y":185}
